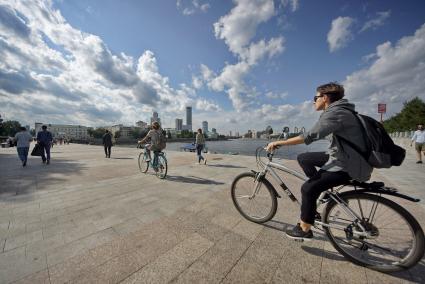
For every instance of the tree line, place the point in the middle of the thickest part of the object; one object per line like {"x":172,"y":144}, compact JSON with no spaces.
{"x":413,"y":113}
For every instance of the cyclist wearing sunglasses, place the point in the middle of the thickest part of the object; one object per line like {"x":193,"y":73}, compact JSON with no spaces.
{"x":339,"y":164}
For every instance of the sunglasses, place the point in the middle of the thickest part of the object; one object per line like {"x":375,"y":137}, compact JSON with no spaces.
{"x":317,"y":97}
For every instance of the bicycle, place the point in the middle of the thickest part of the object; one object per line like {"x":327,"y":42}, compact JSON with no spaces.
{"x":161,"y":166}
{"x":356,"y":221}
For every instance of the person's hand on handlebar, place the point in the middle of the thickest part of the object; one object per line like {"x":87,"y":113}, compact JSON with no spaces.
{"x":271,"y":146}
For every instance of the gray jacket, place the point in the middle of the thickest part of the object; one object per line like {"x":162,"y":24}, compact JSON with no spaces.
{"x":337,"y":121}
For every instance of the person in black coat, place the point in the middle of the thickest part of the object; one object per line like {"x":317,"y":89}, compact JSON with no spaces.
{"x":107,"y":143}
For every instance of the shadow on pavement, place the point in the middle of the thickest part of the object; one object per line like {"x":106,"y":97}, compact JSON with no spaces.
{"x":17,"y":181}
{"x":277,"y":225}
{"x":192,"y":179}
{"x":414,"y":274}
{"x":226,"y":166}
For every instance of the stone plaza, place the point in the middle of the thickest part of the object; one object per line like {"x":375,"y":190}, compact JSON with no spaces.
{"x":88,"y":219}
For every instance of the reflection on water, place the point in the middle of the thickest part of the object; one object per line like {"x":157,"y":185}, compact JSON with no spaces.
{"x":248,"y":147}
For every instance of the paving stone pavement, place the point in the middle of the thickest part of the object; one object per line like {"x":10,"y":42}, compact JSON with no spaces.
{"x":88,"y":219}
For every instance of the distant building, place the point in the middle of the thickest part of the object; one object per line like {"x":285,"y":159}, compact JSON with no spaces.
{"x":179,"y":124}
{"x":65,"y":131}
{"x":155,"y":117}
{"x":213,"y":130}
{"x":142,"y":124}
{"x":205,"y":126}
{"x":230,"y":133}
{"x":189,"y":118}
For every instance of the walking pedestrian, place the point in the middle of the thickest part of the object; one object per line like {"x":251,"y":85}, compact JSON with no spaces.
{"x":23,"y":140}
{"x":419,"y":139}
{"x":200,"y":144}
{"x":107,"y":143}
{"x":45,"y":140}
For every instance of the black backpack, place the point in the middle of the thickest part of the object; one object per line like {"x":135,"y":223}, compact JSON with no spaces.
{"x":381,"y":151}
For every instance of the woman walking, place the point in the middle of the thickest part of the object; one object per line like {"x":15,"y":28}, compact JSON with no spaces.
{"x":200,"y":144}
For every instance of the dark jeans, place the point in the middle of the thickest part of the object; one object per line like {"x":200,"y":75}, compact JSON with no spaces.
{"x":319,"y":181}
{"x":107,"y":150}
{"x":46,"y":148}
{"x":23,"y":153}
{"x":310,"y":160}
{"x":199,"y":149}
{"x":312,"y":188}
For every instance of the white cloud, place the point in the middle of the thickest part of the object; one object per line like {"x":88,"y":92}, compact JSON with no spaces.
{"x":239,"y":26}
{"x":272,"y":95}
{"x":340,"y":33}
{"x":373,"y":24}
{"x":237,"y":29}
{"x":396,"y":75}
{"x":293,"y":4}
{"x":52,"y":72}
{"x":205,"y":105}
{"x":191,"y":7}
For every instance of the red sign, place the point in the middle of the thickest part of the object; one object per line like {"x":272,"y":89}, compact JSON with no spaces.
{"x":382,"y":108}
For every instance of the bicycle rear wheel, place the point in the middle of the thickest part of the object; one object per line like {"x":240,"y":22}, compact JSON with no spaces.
{"x":143,"y":164}
{"x":395,"y":240}
{"x":162,"y":166}
{"x":259,"y":208}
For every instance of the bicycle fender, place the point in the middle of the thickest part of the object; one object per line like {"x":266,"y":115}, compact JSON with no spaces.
{"x":263,"y":178}
{"x":387,"y":191}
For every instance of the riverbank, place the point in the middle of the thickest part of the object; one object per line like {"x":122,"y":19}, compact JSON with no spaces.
{"x":85,"y":218}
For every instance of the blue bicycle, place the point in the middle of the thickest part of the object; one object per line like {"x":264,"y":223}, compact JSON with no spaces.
{"x":158,"y":162}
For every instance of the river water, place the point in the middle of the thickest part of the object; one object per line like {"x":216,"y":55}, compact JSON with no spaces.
{"x":248,"y":147}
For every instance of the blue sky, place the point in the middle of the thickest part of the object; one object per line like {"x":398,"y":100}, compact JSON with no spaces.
{"x":241,"y":64}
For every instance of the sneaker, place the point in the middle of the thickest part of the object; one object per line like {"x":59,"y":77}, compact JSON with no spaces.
{"x":297,"y":233}
{"x":419,"y":162}
{"x":48,"y":161}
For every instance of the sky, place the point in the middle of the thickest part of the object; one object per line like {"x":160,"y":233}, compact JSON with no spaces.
{"x":241,"y":64}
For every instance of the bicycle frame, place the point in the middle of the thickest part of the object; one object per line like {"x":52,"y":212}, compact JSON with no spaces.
{"x":269,"y":168}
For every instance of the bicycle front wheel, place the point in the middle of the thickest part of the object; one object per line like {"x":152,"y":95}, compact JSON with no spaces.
{"x":393,"y":239}
{"x":143,"y":164}
{"x":260,"y":207}
{"x":162,"y":169}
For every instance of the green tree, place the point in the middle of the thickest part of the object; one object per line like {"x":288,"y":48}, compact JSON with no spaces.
{"x":9,"y":128}
{"x":117,"y":134}
{"x":96,"y":133}
{"x":413,"y":112}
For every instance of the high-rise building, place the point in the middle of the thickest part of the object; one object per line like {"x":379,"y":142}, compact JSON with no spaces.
{"x":179,"y":124}
{"x":189,"y":117}
{"x":213,"y":130}
{"x":155,"y":117}
{"x":205,"y":126}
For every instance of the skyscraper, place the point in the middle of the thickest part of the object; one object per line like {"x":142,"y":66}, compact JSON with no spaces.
{"x":155,"y":117}
{"x":205,"y":126}
{"x":179,"y":124}
{"x":189,"y":117}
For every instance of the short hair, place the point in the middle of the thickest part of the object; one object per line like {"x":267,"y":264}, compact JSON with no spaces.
{"x":23,"y":128}
{"x":106,"y":130}
{"x":333,"y":90}
{"x":155,"y":125}
{"x":200,"y":130}
{"x":44,"y":127}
